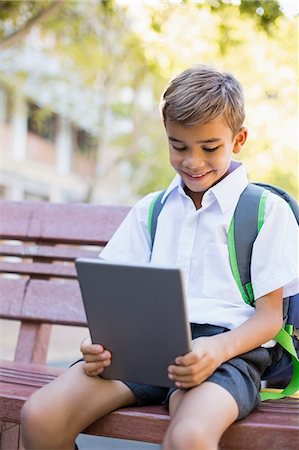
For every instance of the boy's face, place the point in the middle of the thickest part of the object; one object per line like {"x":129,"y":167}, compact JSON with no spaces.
{"x":201,"y":154}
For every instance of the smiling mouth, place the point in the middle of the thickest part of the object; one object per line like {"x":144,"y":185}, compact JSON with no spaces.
{"x":199,"y":175}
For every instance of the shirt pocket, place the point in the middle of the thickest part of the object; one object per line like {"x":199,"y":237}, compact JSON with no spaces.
{"x":218,"y":280}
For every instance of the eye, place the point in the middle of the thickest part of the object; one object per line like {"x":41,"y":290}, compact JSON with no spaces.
{"x":178,"y":149}
{"x":210,"y":150}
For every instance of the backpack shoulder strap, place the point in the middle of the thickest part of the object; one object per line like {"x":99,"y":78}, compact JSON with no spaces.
{"x":246,"y":222}
{"x":153,"y":214}
{"x":292,"y":202}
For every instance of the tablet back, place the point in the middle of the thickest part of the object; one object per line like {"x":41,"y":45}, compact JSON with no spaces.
{"x":139,"y":314}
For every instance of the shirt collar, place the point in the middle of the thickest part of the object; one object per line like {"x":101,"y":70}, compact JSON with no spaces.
{"x":226,"y":192}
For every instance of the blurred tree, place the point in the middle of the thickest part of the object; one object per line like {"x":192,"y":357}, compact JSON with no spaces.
{"x":18,"y":17}
{"x":266,"y":66}
{"x":126,"y":51}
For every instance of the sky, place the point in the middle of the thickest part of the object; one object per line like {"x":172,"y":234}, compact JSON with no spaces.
{"x":290,"y":7}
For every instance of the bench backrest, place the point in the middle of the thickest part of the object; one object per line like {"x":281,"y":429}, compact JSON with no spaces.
{"x":38,"y":285}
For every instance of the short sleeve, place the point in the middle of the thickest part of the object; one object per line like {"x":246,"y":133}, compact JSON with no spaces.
{"x":131,"y":241}
{"x":275,"y":251}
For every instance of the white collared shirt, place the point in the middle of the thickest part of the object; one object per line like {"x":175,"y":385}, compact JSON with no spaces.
{"x":196,"y":242}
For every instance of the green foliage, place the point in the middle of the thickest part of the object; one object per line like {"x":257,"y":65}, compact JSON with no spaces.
{"x":117,"y":48}
{"x":266,"y":12}
{"x":15,"y":14}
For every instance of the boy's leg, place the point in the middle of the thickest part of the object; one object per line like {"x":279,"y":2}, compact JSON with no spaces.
{"x":54,"y":415}
{"x":199,"y":417}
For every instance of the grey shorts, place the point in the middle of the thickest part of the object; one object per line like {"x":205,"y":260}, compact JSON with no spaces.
{"x":240,"y":376}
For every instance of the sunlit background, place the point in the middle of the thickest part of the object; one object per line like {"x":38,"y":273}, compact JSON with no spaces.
{"x":80,"y":83}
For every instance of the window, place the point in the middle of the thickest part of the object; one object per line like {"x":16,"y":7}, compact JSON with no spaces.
{"x":42,"y":122}
{"x":83,"y":142}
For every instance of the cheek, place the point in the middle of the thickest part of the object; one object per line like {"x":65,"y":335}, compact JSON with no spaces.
{"x":224,"y":158}
{"x":174,"y":159}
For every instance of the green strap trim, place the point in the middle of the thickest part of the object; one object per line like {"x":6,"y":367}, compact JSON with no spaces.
{"x":247,"y":290}
{"x":286,"y":341}
{"x":233,"y":260}
{"x":250,"y":293}
{"x":261,"y":211}
{"x":289,"y":329}
{"x":284,"y":337}
{"x":150,"y":214}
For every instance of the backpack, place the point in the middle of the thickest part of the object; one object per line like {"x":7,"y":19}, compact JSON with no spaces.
{"x":249,"y":217}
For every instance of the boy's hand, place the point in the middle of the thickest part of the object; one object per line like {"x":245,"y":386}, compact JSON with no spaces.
{"x":95,"y":356}
{"x":195,"y":367}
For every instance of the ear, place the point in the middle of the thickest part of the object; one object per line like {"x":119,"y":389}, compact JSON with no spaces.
{"x":240,"y":140}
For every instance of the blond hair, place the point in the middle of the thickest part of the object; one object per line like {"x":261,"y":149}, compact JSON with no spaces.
{"x":200,"y":94}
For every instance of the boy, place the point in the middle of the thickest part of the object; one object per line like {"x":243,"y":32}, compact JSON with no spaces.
{"x":218,"y":382}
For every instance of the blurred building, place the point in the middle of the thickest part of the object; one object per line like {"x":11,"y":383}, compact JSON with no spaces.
{"x":49,"y":123}
{"x":41,"y":163}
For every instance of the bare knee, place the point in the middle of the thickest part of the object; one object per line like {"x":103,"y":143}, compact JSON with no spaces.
{"x":31,"y":415}
{"x":41,"y":426}
{"x":189,"y":435}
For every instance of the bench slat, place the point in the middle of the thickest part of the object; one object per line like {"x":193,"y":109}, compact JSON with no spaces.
{"x":11,"y":297}
{"x":39,"y":269}
{"x":64,"y":223}
{"x":10,"y":436}
{"x":44,"y":252}
{"x":42,"y":301}
{"x":49,"y":302}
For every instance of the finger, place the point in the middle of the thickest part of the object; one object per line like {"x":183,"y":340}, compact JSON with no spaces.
{"x":99,"y":357}
{"x":187,"y":381}
{"x":93,"y":349}
{"x":177,"y":371}
{"x":93,"y":373}
{"x":189,"y":373}
{"x":95,"y":368}
{"x":188,"y":359}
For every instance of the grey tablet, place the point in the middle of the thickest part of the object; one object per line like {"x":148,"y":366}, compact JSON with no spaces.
{"x":139,"y":314}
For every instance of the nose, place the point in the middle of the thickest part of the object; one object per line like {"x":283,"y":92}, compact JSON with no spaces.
{"x":194,"y":161}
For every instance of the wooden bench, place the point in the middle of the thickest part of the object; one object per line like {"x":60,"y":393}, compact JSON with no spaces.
{"x":38,"y":287}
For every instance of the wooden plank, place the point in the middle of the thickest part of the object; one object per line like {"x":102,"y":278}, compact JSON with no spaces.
{"x":145,"y":423}
{"x":33,"y":342}
{"x":44,"y":252}
{"x":269,"y":426}
{"x":54,"y":302}
{"x":22,"y":374}
{"x":21,"y":445}
{"x":10,"y":435}
{"x":18,"y":381}
{"x":42,"y":301}
{"x":274,"y":430}
{"x":12,"y":293}
{"x":37,"y":269}
{"x":23,"y":369}
{"x":65,"y":223}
